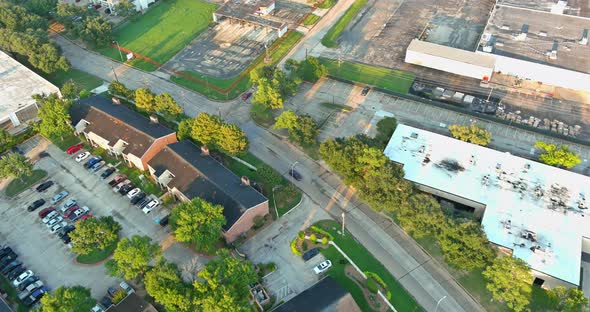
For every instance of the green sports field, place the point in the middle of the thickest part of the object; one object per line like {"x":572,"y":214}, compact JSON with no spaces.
{"x":164,"y":30}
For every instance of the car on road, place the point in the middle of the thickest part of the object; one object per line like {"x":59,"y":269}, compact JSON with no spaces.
{"x":35,"y":296}
{"x":120,"y":185}
{"x":150,"y":206}
{"x":44,"y":186}
{"x":68,"y":204}
{"x":54,"y":221}
{"x":365,"y":91}
{"x":30,"y":288}
{"x":45,"y":211}
{"x":117,"y":179}
{"x":50,"y":216}
{"x":310,"y":254}
{"x":105,"y":174}
{"x":59,"y":196}
{"x":73,"y":149}
{"x":82,"y":156}
{"x":296,"y":175}
{"x":133,"y":192}
{"x":322,"y":267}
{"x":97,"y":166}
{"x":92,"y":161}
{"x":58,"y":227}
{"x":126,"y":188}
{"x":36,"y":204}
{"x":21,"y":278}
{"x":137,"y":198}
{"x":27,"y":282}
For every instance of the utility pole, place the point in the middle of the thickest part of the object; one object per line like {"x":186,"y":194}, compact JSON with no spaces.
{"x":114,"y":73}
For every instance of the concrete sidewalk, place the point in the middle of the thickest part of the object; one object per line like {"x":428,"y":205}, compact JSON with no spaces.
{"x":423,"y":277}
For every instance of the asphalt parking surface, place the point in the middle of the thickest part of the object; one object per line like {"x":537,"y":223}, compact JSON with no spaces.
{"x":44,"y":253}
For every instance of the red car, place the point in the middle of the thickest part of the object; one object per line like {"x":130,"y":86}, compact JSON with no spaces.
{"x":86,"y":216}
{"x":43,"y":213}
{"x":74,"y":148}
{"x":246,"y":96}
{"x":71,"y":210}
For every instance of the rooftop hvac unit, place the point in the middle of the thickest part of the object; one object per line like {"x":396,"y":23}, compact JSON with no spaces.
{"x":584,"y":40}
{"x":559,"y":7}
{"x":553,"y":53}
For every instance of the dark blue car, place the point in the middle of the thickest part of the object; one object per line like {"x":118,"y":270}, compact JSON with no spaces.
{"x":35,"y":296}
{"x":92,"y":162}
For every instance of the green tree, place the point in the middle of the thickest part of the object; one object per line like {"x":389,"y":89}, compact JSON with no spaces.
{"x":18,"y":18}
{"x":55,"y":116}
{"x":67,"y":299}
{"x":164,"y":284}
{"x":34,"y":46}
{"x":94,"y":234}
{"x":472,"y":134}
{"x":509,"y":281}
{"x":132,"y":256}
{"x":185,"y":128}
{"x":206,"y":129}
{"x":97,"y":30}
{"x":166,"y":104}
{"x":465,"y":245}
{"x":42,"y":7}
{"x":118,"y":88}
{"x":198,"y":222}
{"x":558,"y":156}
{"x":302,"y":129}
{"x":232,"y":140}
{"x":125,"y":8}
{"x":568,"y":299}
{"x":15,"y":165}
{"x":72,"y":16}
{"x":287,"y":120}
{"x":312,"y":70}
{"x":70,"y":90}
{"x":385,"y":129}
{"x":267,"y":173}
{"x":422,"y":216}
{"x":268,"y":95}
{"x":223,"y":284}
{"x":145,"y":100}
{"x":5,"y":138}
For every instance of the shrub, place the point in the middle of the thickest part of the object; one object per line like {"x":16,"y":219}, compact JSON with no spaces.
{"x":119,"y":296}
{"x":377,"y":279}
{"x":313,"y":238}
{"x":372,"y":285}
{"x":258,"y":222}
{"x":388,"y":295}
{"x":322,"y":231}
{"x":294,"y":247}
{"x":301,"y":235}
{"x":325,"y":240}
{"x":304,"y":246}
{"x":84,"y":94}
{"x":271,"y":266}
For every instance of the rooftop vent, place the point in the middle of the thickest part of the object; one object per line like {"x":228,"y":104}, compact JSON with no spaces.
{"x":553,"y":53}
{"x":245,"y":180}
{"x":204,"y":150}
{"x":584,"y":40}
{"x":153,"y":119}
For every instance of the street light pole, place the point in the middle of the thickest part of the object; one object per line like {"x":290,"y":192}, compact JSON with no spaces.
{"x":274,"y":200}
{"x":438,"y":303}
{"x":291,"y":171}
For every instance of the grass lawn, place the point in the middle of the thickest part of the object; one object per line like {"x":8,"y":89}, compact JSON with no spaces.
{"x":400,"y":298}
{"x":145,"y":184}
{"x":327,"y":4}
{"x":278,"y":50}
{"x":97,"y":255}
{"x":18,"y":185}
{"x":311,"y":19}
{"x":385,"y":78}
{"x":12,"y":294}
{"x":164,"y":30}
{"x":81,"y":78}
{"x":261,"y":115}
{"x":67,"y":141}
{"x":329,"y":39}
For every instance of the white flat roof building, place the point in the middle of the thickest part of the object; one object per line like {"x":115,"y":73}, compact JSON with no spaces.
{"x":18,"y":84}
{"x":535,"y":210}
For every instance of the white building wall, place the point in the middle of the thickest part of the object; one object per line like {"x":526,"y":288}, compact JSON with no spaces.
{"x":136,"y":161}
{"x":546,"y":74}
{"x":447,"y":65}
{"x":142,"y":4}
{"x":550,"y":281}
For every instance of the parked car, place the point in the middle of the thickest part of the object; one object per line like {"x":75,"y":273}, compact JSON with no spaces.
{"x":133,"y":192}
{"x":117,"y":179}
{"x":58,"y":227}
{"x":126,"y":188}
{"x":50,"y":216}
{"x":112,"y":291}
{"x":92,"y":161}
{"x":6,"y":260}
{"x":143,"y":202}
{"x":86,"y":216}
{"x":73,"y":149}
{"x":106,"y":302}
{"x":21,"y":278}
{"x":137,"y":198}
{"x":70,"y":210}
{"x":97,"y":308}
{"x":31,"y":280}
{"x":66,"y":239}
{"x":43,"y":213}
{"x":164,"y":220}
{"x":59,"y":196}
{"x":82,"y":156}
{"x":150,"y":206}
{"x":105,"y":174}
{"x":35,"y":296}
{"x":296,"y":175}
{"x":11,"y":265}
{"x":54,"y":221}
{"x":322,"y":267}
{"x":67,"y":229}
{"x":97,"y":166}
{"x":365,"y":91}
{"x":120,"y":185}
{"x":25,"y":292}
{"x":4,"y":251}
{"x":44,"y":186}
{"x":246,"y":95}
{"x":310,"y":254}
{"x":128,"y":289}
{"x":15,"y":265}
{"x":78,"y":213}
{"x":16,"y":272}
{"x":36,"y":204}
{"x":68,"y":204}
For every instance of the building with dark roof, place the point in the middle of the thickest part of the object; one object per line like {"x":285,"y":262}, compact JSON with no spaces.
{"x":325,"y":296}
{"x":120,"y":131}
{"x":188,"y":171}
{"x":132,"y":303}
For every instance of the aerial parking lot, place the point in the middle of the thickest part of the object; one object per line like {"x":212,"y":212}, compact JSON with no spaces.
{"x":45,"y":253}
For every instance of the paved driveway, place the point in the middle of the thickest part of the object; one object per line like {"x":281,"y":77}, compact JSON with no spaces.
{"x":272,"y":244}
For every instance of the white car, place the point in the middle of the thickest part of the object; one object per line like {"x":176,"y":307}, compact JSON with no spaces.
{"x":54,"y":221}
{"x":21,"y":278}
{"x":128,"y":289}
{"x":133,"y":192}
{"x":25,"y":293}
{"x":150,"y":206}
{"x":58,"y":227}
{"x":97,"y":308}
{"x":50,"y":216}
{"x":82,"y":156}
{"x":68,"y":204}
{"x":322,"y":267}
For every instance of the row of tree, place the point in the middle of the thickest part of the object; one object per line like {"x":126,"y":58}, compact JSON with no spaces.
{"x":85,"y":23}
{"x":146,"y":100}
{"x":302,"y":129}
{"x":212,"y":131}
{"x":472,"y":134}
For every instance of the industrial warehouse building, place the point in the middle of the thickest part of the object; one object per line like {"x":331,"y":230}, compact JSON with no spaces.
{"x":530,"y":210}
{"x":536,"y":40}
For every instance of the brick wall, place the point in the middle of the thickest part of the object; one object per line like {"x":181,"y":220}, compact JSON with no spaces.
{"x":245,"y":222}
{"x":156,"y":147}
